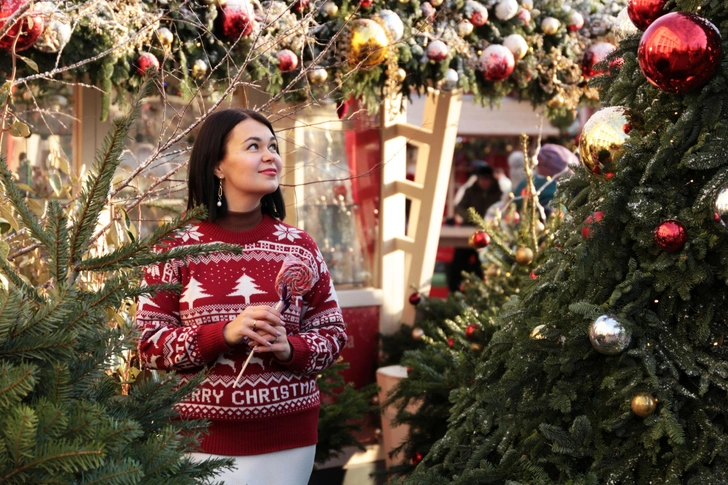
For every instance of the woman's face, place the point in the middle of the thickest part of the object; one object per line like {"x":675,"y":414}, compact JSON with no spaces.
{"x":251,"y":167}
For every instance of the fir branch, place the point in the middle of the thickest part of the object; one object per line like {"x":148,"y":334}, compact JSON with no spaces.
{"x":17,"y":199}
{"x":59,"y":250}
{"x":19,"y":282}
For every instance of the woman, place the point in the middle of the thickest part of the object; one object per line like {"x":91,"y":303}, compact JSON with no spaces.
{"x":268,"y":422}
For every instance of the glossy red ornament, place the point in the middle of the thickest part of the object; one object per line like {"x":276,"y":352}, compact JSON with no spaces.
{"x":415,"y":298}
{"x":300,"y":5}
{"x":417,"y":458}
{"x":643,"y":13}
{"x":671,"y":236}
{"x":533,"y":275}
{"x":524,"y":16}
{"x":680,"y":52}
{"x":450,"y":342}
{"x":595,"y":218}
{"x":576,"y":21}
{"x":479,"y":240}
{"x":595,"y":54}
{"x":437,"y":51}
{"x":145,"y":61}
{"x":287,"y":60}
{"x":470,"y":331}
{"x":366,"y":3}
{"x":22,"y":30}
{"x":479,"y":17}
{"x":496,"y":62}
{"x":235,"y":19}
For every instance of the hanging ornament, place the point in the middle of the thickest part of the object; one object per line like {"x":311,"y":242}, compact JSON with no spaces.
{"x":533,"y":275}
{"x":476,"y":12}
{"x":524,"y":16}
{"x":199,"y":69}
{"x":623,"y":26}
{"x":287,"y":60}
{"x":470,"y":331}
{"x":400,"y":75}
{"x":643,"y":13}
{"x":300,"y":5}
{"x":576,"y":21}
{"x":593,"y":55}
{"x":496,"y":62}
{"x":643,"y":404}
{"x":671,"y":236}
{"x":450,"y":81}
{"x":428,"y":11}
{"x":608,"y":336}
{"x":538,"y":332}
{"x":527,"y":4}
{"x":720,"y":207}
{"x":436,"y":3}
{"x":437,"y":51}
{"x":415,"y":298}
{"x":465,"y":28}
{"x":556,"y":102}
{"x":26,"y":31}
{"x":450,"y":342}
{"x":330,"y":9}
{"x":475,"y":347}
{"x":417,"y":333}
{"x":235,"y":19}
{"x":524,"y":256}
{"x":368,"y":43}
{"x":165,"y":37}
{"x":680,"y":52}
{"x":392,"y":24}
{"x":517,"y":45}
{"x":57,"y":31}
{"x":366,"y":3}
{"x":493,"y":271}
{"x":506,"y":9}
{"x":479,"y":240}
{"x":601,"y":144}
{"x":417,"y":458}
{"x":550,"y":25}
{"x":317,"y":75}
{"x":589,"y":222}
{"x":146,"y":61}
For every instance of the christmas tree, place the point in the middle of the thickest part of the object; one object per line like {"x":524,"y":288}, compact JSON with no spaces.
{"x":624,"y":382}
{"x":442,"y":350}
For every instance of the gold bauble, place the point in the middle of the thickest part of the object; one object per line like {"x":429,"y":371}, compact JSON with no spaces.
{"x":436,"y":3}
{"x":492,"y":271}
{"x":318,"y":75}
{"x":643,"y":404}
{"x":417,"y":333}
{"x":165,"y":36}
{"x":475,"y":347}
{"x":537,"y":332}
{"x":556,"y":102}
{"x":199,"y":69}
{"x":602,"y":140}
{"x":400,"y":75}
{"x":368,"y":43}
{"x":550,"y":25}
{"x":524,"y":256}
{"x":330,"y":9}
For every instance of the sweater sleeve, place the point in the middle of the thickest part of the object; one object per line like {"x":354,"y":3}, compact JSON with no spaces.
{"x":322,"y":330}
{"x":164,"y":342}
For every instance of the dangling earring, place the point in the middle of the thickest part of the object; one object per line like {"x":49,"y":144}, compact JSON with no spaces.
{"x":219,"y":194}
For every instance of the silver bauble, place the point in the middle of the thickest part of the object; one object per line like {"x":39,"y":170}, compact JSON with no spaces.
{"x":550,"y":25}
{"x":392,"y":24}
{"x":450,"y":81}
{"x":465,"y":28}
{"x":608,"y":336}
{"x":720,"y":207}
{"x":57,"y":31}
{"x":330,"y":9}
{"x":623,"y":26}
{"x":516,"y":44}
{"x":317,"y":75}
{"x":506,"y":9}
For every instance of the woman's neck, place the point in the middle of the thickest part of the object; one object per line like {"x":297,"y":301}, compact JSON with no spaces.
{"x":240,"y":221}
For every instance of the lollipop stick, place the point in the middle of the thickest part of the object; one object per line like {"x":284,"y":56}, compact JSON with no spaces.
{"x":277,"y":306}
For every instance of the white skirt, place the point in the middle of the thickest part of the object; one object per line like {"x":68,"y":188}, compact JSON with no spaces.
{"x":289,"y":467}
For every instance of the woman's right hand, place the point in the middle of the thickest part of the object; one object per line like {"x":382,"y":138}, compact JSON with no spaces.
{"x":256,"y":323}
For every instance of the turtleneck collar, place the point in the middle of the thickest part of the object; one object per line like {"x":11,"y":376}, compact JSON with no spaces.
{"x":240,"y":221}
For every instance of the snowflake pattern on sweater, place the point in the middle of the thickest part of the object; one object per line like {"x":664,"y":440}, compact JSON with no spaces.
{"x":184,"y":332}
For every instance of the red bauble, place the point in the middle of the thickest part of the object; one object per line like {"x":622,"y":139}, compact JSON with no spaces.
{"x":533,"y":275}
{"x":643,"y":12}
{"x":479,"y":17}
{"x":26,"y":34}
{"x":671,"y":236}
{"x":576,"y":21}
{"x":680,"y":52}
{"x":235,"y":19}
{"x":300,"y":5}
{"x":479,"y":239}
{"x":595,"y":218}
{"x":366,"y":3}
{"x":428,"y":11}
{"x":450,"y":342}
{"x":524,"y":16}
{"x":415,"y":298}
{"x":470,"y":331}
{"x":595,"y":54}
{"x":145,"y":61}
{"x":437,"y":50}
{"x":287,"y":60}
{"x":496,"y":62}
{"x":417,"y":458}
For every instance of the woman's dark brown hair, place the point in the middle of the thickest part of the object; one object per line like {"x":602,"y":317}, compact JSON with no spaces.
{"x":208,"y":151}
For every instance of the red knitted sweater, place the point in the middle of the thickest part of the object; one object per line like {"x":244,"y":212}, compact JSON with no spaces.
{"x":275,"y":406}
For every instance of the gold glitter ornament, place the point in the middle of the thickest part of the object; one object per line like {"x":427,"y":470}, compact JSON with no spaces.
{"x":317,"y":75}
{"x":550,"y":25}
{"x":400,"y":75}
{"x":436,"y":3}
{"x":475,"y":347}
{"x":368,"y":43}
{"x":330,"y":9}
{"x":199,"y":69}
{"x":556,"y":102}
{"x":601,"y":144}
{"x":643,"y":404}
{"x":524,"y":256}
{"x":165,"y":37}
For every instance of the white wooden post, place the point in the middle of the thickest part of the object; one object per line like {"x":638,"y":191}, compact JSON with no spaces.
{"x":408,"y":256}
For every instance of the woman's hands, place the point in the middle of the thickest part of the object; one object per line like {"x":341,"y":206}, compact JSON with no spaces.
{"x":261,"y":327}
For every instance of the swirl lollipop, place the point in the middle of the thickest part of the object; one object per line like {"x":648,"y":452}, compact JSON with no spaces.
{"x":295,"y":278}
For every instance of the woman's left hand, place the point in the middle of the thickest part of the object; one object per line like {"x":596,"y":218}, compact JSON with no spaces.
{"x":280,"y":346}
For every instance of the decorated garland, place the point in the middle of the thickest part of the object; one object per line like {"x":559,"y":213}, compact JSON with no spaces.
{"x":541,"y":50}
